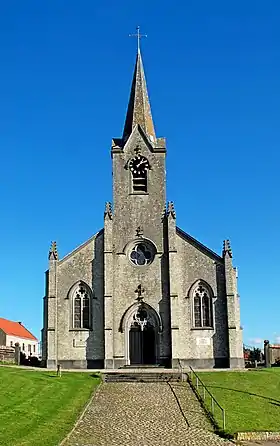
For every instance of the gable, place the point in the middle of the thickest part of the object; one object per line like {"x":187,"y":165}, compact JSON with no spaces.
{"x":136,"y":137}
{"x":82,"y":247}
{"x":196,"y":244}
{"x":85,"y":263}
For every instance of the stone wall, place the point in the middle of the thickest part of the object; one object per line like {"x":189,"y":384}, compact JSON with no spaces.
{"x":271,"y":353}
{"x":122,"y":277}
{"x":7,"y":354}
{"x":199,"y":347}
{"x":70,"y":347}
{"x":275,"y":353}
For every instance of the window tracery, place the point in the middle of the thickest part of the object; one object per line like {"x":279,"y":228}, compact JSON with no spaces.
{"x":81,"y":307}
{"x":202,"y":306}
{"x":142,"y":318}
{"x":141,"y":254}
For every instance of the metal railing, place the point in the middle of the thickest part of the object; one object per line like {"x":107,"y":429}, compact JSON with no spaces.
{"x":202,"y":393}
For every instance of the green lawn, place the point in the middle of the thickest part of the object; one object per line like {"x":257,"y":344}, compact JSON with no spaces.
{"x":39,"y":409}
{"x":251,"y":399}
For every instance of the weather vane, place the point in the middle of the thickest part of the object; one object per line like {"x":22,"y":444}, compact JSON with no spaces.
{"x":139,"y":36}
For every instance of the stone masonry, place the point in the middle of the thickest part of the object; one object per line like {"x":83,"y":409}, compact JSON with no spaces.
{"x":141,"y":290}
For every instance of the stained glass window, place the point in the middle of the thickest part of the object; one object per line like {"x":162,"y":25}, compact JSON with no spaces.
{"x":81,"y":308}
{"x":141,"y":255}
{"x":197,"y":311}
{"x":85,"y":312}
{"x":202,"y":307}
{"x":77,"y":312}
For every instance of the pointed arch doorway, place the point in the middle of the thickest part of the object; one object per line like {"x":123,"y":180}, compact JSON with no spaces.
{"x":142,"y":329}
{"x":142,"y":348}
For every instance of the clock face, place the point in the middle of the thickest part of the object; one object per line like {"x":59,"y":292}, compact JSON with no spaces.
{"x":138,"y":165}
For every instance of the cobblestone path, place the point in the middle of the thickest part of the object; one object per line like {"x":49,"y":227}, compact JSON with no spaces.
{"x":144,"y":414}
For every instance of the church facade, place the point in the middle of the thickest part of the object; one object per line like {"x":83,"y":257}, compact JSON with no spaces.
{"x":141,"y":290}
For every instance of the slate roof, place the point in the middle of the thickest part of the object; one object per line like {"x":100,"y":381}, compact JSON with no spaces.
{"x":139,"y":110}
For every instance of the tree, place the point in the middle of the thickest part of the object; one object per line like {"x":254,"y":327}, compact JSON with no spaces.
{"x":255,"y":354}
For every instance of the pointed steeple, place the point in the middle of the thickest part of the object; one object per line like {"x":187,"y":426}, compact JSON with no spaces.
{"x":139,"y":110}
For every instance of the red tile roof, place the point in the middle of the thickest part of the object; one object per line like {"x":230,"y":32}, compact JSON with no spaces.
{"x":15,"y":329}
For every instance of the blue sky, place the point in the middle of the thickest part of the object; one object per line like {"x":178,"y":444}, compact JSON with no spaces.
{"x":213,"y":76}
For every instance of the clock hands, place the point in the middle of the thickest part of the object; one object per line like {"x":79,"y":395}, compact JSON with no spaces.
{"x":141,"y":162}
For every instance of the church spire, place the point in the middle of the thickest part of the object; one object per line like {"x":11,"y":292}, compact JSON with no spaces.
{"x":139,"y":110}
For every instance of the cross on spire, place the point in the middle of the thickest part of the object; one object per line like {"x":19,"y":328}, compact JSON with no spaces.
{"x":139,"y":36}
{"x":139,"y":110}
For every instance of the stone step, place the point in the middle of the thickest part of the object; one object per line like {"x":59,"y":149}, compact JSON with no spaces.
{"x":142,"y":377}
{"x":142,"y":366}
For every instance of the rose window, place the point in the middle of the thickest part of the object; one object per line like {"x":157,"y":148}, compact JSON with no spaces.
{"x":141,"y":255}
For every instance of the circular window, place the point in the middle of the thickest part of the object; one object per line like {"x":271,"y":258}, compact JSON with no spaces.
{"x":141,"y":254}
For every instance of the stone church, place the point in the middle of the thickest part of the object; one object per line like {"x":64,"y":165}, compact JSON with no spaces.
{"x":141,"y":290}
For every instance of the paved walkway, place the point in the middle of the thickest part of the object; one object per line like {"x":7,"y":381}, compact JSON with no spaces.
{"x":259,"y":443}
{"x":106,"y":371}
{"x":144,"y":414}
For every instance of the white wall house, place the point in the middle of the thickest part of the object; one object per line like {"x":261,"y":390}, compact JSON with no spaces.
{"x":12,"y":332}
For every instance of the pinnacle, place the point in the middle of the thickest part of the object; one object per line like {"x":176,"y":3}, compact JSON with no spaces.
{"x":171,"y":209}
{"x":108,"y":210}
{"x":227,"y":248}
{"x":53,"y":254}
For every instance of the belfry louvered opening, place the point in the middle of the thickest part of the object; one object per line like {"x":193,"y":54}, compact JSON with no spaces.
{"x":140,"y":183}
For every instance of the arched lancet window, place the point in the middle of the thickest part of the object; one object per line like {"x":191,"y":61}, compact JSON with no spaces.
{"x":81,"y":296}
{"x":202,"y":306}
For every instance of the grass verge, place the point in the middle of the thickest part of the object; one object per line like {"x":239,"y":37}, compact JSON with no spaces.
{"x":39,"y":409}
{"x":251,"y":399}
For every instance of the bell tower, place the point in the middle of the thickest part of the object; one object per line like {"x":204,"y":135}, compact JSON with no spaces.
{"x":138,"y":167}
{"x":134,"y":234}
